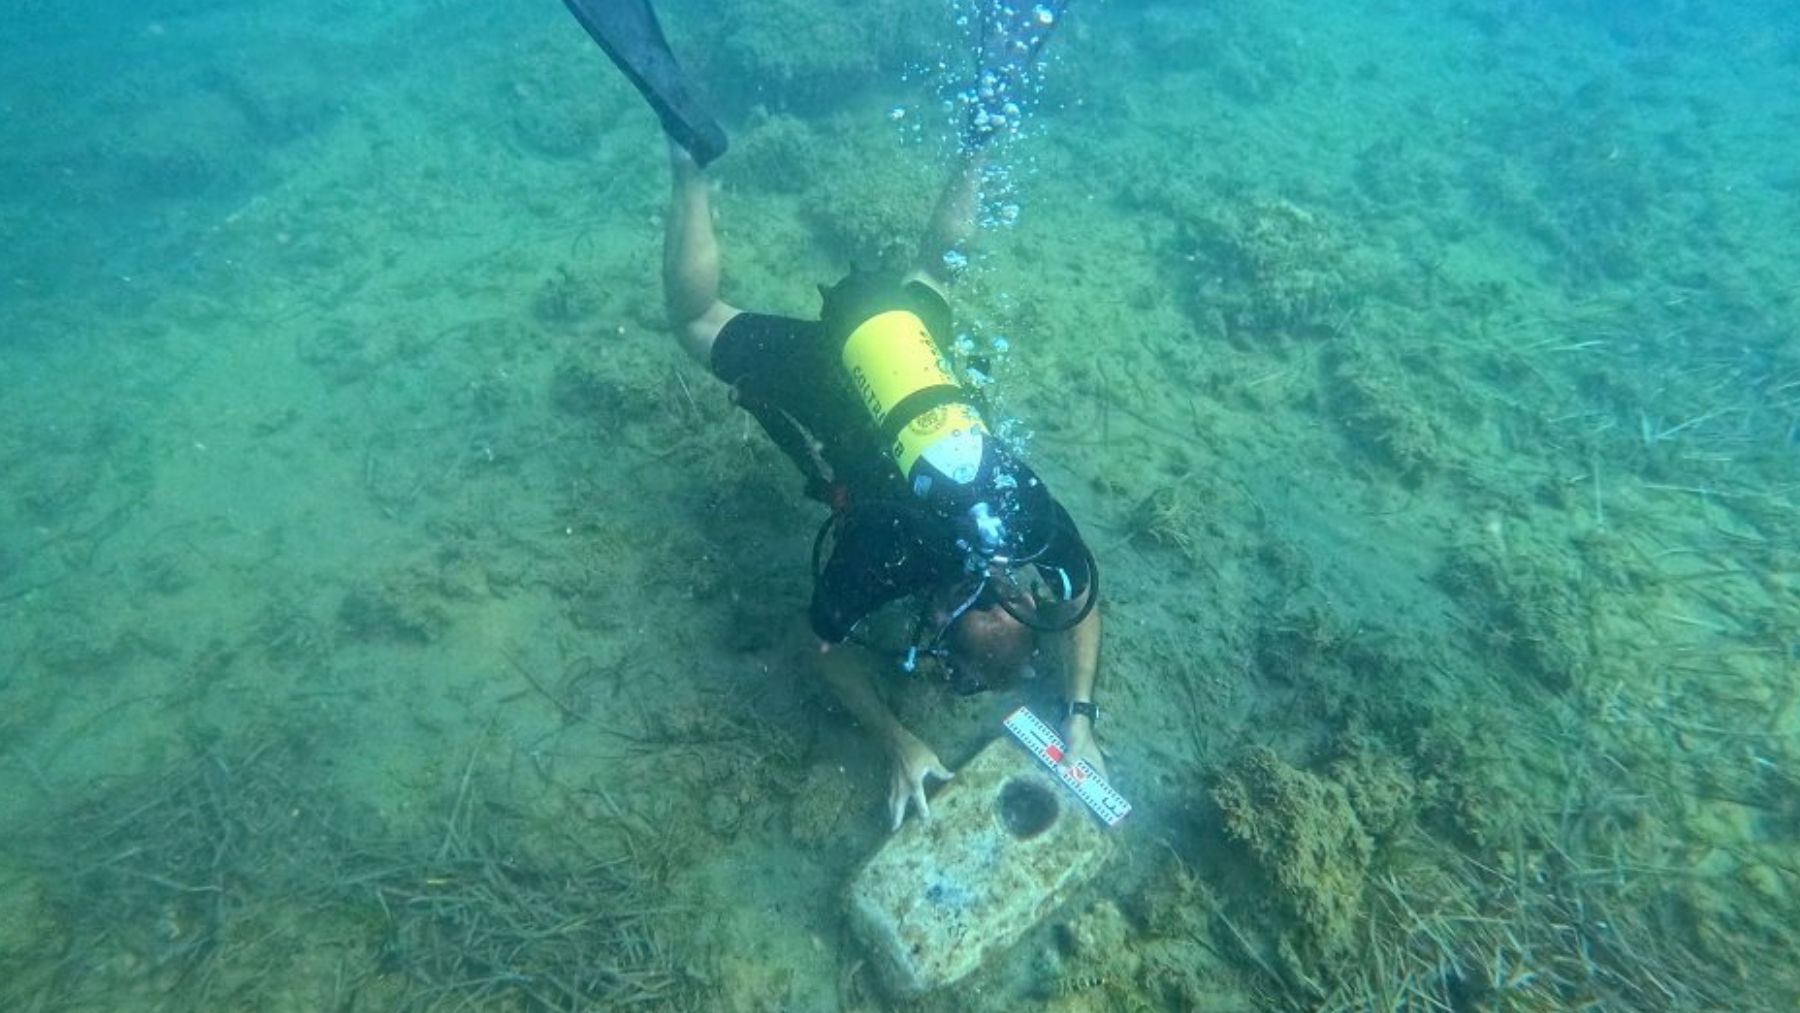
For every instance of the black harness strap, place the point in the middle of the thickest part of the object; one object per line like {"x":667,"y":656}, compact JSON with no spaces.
{"x":918,"y":403}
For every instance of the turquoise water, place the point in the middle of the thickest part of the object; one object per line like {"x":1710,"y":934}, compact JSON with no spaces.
{"x":391,"y":617}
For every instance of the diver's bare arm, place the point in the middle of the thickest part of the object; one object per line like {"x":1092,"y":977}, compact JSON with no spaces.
{"x":691,"y":260}
{"x":1083,"y":665}
{"x":849,"y":671}
{"x":952,"y":223}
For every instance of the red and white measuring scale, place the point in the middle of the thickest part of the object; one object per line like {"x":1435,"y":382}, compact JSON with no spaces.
{"x":1082,"y":779}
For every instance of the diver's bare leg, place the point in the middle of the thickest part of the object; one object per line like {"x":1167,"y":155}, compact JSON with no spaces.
{"x":691,"y":261}
{"x":952,"y":223}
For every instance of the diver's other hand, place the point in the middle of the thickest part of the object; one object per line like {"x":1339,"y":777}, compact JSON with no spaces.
{"x":913,"y":763}
{"x":1078,"y":737}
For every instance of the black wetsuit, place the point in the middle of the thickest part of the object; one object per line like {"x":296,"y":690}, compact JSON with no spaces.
{"x":889,"y":545}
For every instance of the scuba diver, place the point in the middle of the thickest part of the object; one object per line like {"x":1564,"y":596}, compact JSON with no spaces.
{"x":926,"y":504}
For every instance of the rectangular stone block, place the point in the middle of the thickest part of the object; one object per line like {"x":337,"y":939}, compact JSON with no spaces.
{"x":1005,"y":846}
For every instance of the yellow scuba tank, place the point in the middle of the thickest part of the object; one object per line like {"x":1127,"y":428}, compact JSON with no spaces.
{"x":923,"y":414}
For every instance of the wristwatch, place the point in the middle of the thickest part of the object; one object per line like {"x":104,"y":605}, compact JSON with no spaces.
{"x":1088,"y":707}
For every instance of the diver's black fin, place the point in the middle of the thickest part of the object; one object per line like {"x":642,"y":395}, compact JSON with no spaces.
{"x":628,"y":31}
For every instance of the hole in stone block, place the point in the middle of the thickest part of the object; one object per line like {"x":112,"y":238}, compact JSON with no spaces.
{"x":1027,"y":809}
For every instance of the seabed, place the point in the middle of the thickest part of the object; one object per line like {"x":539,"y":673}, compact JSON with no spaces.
{"x":390,"y":618}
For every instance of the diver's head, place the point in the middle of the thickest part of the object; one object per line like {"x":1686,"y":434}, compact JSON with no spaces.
{"x":987,"y":646}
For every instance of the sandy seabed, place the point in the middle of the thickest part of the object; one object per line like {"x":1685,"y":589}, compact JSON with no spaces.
{"x":390,"y":617}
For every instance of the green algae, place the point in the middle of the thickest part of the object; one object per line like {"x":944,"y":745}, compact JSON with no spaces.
{"x":1303,"y":836}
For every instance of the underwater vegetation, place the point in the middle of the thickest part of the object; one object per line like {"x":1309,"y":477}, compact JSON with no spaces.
{"x":390,"y":618}
{"x":224,"y":877}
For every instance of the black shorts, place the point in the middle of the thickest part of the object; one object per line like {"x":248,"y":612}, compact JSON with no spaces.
{"x":786,"y":372}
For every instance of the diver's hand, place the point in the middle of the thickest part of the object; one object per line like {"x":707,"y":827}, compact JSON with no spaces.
{"x":913,"y":763}
{"x":1079,"y":742}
